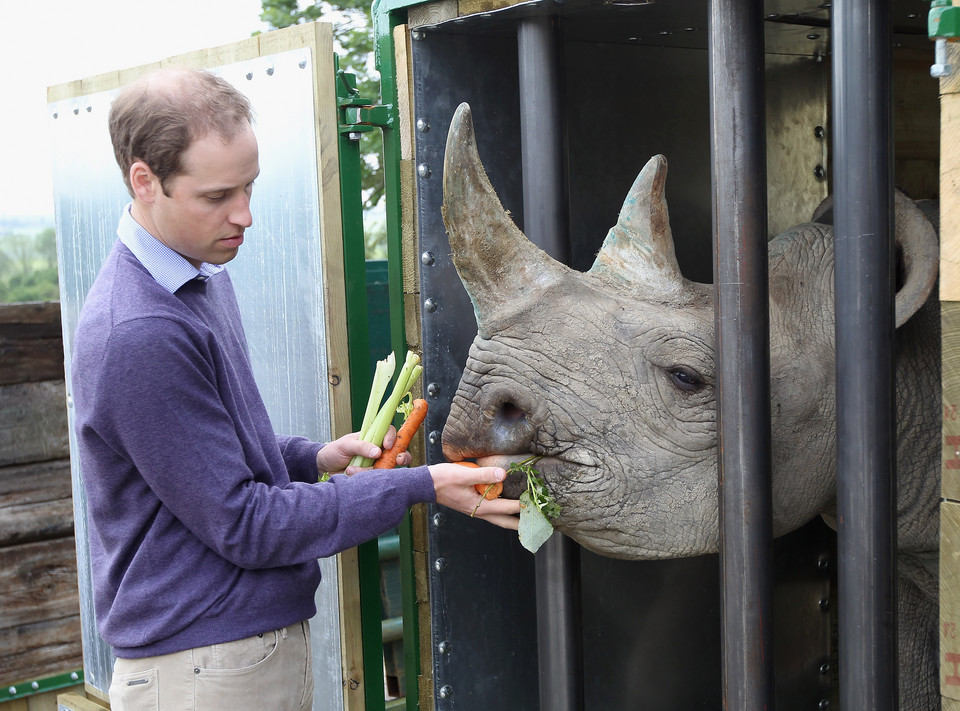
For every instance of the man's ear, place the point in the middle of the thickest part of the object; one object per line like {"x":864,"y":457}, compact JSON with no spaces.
{"x":146,"y":185}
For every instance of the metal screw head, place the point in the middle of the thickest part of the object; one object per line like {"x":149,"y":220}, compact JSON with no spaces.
{"x":819,"y":131}
{"x":423,"y":125}
{"x":824,"y":704}
{"x":444,"y":647}
{"x":439,"y":518}
{"x":433,"y":389}
{"x":819,"y":172}
{"x":302,"y":64}
{"x":423,"y":170}
{"x":824,"y":603}
{"x":417,"y":35}
{"x":823,"y":563}
{"x":434,"y":437}
{"x":426,"y":259}
{"x":824,"y":668}
{"x":249,"y":76}
{"x":354,"y":136}
{"x":439,"y":564}
{"x":430,"y":305}
{"x":446,"y":691}
{"x":270,"y":71}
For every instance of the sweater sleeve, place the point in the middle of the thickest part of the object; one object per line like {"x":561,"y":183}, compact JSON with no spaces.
{"x":211,"y":463}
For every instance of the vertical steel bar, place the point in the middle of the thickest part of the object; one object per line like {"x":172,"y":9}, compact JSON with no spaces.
{"x":742,"y":338}
{"x":557,"y":564}
{"x":864,"y":287}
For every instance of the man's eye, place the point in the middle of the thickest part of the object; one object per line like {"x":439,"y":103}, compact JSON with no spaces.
{"x":216,"y":198}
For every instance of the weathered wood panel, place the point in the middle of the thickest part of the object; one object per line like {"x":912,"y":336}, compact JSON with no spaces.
{"x":40,"y":650}
{"x":31,"y":345}
{"x":33,"y":422}
{"x":36,"y":502}
{"x":38,"y":581}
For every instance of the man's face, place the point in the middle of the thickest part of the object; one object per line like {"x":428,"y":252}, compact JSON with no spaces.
{"x":208,"y":203}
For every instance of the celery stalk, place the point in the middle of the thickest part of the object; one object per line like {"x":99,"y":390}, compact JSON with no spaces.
{"x":381,"y":379}
{"x":375,"y":433}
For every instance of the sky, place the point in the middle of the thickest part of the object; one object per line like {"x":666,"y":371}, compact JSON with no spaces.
{"x":57,"y":41}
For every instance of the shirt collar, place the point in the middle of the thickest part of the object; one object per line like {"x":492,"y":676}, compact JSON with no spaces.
{"x":169,"y":268}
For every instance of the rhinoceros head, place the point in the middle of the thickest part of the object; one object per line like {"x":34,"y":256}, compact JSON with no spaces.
{"x":610,"y":373}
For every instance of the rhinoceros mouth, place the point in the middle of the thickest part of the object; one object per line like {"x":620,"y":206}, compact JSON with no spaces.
{"x":553,"y":469}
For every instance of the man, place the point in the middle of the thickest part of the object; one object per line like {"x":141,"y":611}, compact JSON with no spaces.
{"x":204,"y":525}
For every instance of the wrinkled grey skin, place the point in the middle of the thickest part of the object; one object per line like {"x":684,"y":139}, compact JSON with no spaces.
{"x":610,"y":374}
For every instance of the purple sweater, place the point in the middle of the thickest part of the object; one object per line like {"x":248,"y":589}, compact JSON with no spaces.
{"x":204,"y":525}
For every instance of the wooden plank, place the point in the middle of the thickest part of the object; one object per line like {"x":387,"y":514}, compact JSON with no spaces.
{"x":36,"y":502}
{"x":77,"y":702}
{"x":950,"y":599}
{"x":33,"y":422}
{"x":470,"y":7}
{"x":949,"y":194}
{"x":950,"y":382}
{"x":41,"y":649}
{"x":351,"y":631}
{"x":431,"y":13}
{"x":31,"y":343}
{"x":38,"y":582}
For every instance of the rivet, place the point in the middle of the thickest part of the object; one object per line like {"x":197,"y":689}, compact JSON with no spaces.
{"x":249,"y":76}
{"x":74,"y":676}
{"x":434,"y":437}
{"x":196,"y":670}
{"x":354,"y":135}
{"x":823,"y":563}
{"x":89,"y":108}
{"x":56,"y":114}
{"x":423,"y":125}
{"x":302,"y":64}
{"x":12,"y":691}
{"x":439,"y":564}
{"x":824,"y":668}
{"x":446,"y":691}
{"x":813,"y":36}
{"x":417,"y":35}
{"x":819,"y":172}
{"x":824,"y":603}
{"x":824,"y":704}
{"x":76,"y":110}
{"x":430,"y":305}
{"x":427,"y":259}
{"x":34,"y":685}
{"x":444,"y":647}
{"x":270,"y":71}
{"x":819,"y":131}
{"x":423,"y":170}
{"x":439,"y":518}
{"x":433,"y":389}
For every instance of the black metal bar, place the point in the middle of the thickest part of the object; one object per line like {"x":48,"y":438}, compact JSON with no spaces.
{"x":742,"y":338}
{"x":557,"y":563}
{"x":864,"y":287}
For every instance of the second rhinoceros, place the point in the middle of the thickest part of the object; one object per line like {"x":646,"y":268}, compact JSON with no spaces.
{"x":610,"y":375}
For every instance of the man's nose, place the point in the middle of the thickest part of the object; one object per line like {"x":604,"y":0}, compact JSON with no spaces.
{"x":240,"y":215}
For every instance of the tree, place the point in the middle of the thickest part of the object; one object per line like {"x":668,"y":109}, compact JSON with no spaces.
{"x":353,"y":43}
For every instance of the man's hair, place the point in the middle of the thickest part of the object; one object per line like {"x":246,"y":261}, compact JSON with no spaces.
{"x":156,"y":118}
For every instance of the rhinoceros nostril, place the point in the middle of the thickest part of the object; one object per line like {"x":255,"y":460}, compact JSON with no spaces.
{"x":510,"y":413}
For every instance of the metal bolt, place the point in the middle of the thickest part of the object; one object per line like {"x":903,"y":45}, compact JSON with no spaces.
{"x":249,"y":76}
{"x":823,"y":563}
{"x":941,"y":68}
{"x":302,"y":64}
{"x":423,"y":170}
{"x":270,"y":71}
{"x":813,"y":36}
{"x":76,"y":110}
{"x":427,"y":259}
{"x":824,"y":704}
{"x":819,"y":131}
{"x":433,"y":389}
{"x":444,"y":647}
{"x":434,"y":437}
{"x":824,"y":668}
{"x":819,"y":172}
{"x":439,"y":564}
{"x":446,"y":691}
{"x":417,"y":35}
{"x":423,"y":125}
{"x":430,"y":305}
{"x":74,"y":676}
{"x":89,"y":108}
{"x":824,"y":604}
{"x":439,"y":518}
{"x":56,"y":114}
{"x":354,"y":135}
{"x":34,"y":685}
{"x":12,"y":690}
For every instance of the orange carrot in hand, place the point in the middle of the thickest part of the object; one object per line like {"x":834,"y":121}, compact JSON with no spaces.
{"x":489,"y":491}
{"x":388,"y":458}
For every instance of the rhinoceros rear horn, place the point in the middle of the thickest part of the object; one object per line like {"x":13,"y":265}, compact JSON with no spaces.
{"x":500,"y":268}
{"x":638,"y":251}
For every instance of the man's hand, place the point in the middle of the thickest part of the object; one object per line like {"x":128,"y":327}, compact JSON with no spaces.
{"x":454,"y":486}
{"x":336,"y":455}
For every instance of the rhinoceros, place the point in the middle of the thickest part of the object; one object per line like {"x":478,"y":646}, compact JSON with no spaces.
{"x":610,"y":374}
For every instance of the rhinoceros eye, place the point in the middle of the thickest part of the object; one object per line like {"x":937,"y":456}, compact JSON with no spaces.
{"x":686,"y":379}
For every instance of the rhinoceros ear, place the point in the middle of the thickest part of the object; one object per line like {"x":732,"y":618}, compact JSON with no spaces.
{"x":918,"y":250}
{"x":638,"y":250}
{"x":499,"y":267}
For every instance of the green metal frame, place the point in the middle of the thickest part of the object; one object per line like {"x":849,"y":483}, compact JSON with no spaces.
{"x":356,"y":115}
{"x":39,"y":686}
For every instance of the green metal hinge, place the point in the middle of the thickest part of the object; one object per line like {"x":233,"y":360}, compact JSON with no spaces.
{"x":39,"y":686}
{"x":943,"y":21}
{"x":356,"y":113}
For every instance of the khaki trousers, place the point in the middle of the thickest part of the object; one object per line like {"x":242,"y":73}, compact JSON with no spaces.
{"x":267,"y":672}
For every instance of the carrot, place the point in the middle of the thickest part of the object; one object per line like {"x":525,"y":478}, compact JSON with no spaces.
{"x":388,"y":458}
{"x":489,"y":491}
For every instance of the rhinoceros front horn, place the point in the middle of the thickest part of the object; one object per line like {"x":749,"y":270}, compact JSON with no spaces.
{"x":499,"y":267}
